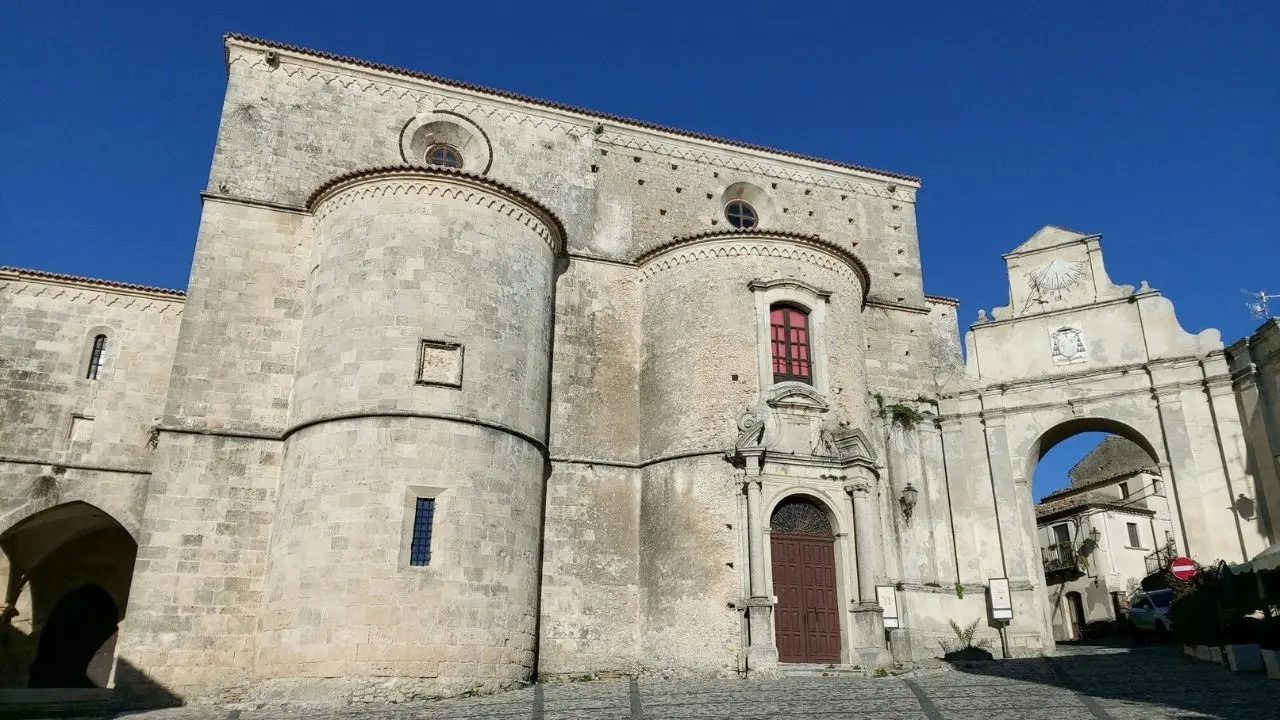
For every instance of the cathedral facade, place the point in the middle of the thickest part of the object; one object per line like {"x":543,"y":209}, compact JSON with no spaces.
{"x":469,"y":388}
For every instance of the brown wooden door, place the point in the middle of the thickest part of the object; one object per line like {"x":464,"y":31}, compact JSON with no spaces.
{"x":806,"y":618}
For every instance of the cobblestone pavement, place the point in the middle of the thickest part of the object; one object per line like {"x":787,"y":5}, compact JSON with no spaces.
{"x":1123,"y":683}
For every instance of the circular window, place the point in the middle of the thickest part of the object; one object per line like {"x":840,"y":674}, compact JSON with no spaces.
{"x":444,"y":156}
{"x":740,"y":214}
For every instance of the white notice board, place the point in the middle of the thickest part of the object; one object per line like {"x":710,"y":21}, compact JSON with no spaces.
{"x":888,"y":601}
{"x":1001,"y":601}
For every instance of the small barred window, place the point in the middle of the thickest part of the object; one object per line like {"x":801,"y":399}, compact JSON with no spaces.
{"x":420,"y":548}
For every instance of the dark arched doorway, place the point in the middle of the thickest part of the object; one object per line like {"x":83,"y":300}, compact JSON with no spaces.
{"x":73,"y":638}
{"x":69,"y":572}
{"x":1075,"y":615}
{"x":806,"y":617}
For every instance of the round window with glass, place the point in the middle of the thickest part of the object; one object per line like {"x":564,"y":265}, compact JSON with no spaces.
{"x":740,"y":214}
{"x":444,"y":156}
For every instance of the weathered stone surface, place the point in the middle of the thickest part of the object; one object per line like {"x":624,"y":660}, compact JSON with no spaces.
{"x":568,"y":348}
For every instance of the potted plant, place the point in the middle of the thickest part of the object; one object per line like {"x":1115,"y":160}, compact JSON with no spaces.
{"x":1242,"y":651}
{"x":1194,"y":614}
{"x":1269,"y":643}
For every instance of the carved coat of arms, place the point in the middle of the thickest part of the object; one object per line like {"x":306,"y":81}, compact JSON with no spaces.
{"x":1068,"y":345}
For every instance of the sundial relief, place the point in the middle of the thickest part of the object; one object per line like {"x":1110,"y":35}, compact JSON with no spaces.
{"x":1049,"y":281}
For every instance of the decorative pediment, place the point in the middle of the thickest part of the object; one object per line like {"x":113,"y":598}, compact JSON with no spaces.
{"x":853,"y":447}
{"x":1050,"y":237}
{"x":796,"y":396}
{"x":790,"y":284}
{"x":753,"y":425}
{"x":1056,"y":269}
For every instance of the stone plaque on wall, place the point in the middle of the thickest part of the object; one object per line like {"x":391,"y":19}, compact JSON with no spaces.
{"x":440,"y":363}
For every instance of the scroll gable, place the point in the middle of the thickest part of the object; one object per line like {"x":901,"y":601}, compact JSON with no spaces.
{"x":1057,"y":269}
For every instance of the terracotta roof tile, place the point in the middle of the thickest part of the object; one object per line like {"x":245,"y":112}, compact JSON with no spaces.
{"x":1051,"y":508}
{"x":942,"y":300}
{"x":559,"y":106}
{"x":43,"y":275}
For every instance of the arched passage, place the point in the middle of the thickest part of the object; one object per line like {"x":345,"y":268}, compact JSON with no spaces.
{"x":69,"y":569}
{"x":1107,"y":521}
{"x":806,"y":617}
{"x":1076,"y":426}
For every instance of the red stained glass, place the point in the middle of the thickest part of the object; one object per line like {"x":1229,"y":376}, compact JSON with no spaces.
{"x":789,"y":336}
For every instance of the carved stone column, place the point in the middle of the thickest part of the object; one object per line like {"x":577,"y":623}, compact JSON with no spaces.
{"x":864,"y":538}
{"x":868,"y":617}
{"x":762,"y":654}
{"x":755,"y":532}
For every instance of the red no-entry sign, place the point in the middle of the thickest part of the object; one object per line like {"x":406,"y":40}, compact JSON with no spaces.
{"x":1182,"y":568}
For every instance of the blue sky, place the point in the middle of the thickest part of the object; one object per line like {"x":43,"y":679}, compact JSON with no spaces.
{"x":1153,"y":123}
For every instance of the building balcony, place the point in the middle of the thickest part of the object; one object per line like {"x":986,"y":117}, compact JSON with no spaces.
{"x":1160,"y":558}
{"x":1060,"y":562}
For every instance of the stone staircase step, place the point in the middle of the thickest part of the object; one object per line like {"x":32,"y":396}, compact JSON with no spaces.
{"x":819,"y":670}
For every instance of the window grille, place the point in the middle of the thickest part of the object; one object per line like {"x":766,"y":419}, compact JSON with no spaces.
{"x":420,"y":547}
{"x":740,"y":215}
{"x":444,"y":155}
{"x":95,"y":359}
{"x":789,"y":332}
{"x":800,"y":517}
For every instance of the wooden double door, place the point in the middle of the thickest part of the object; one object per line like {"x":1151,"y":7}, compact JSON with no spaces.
{"x":806,"y":619}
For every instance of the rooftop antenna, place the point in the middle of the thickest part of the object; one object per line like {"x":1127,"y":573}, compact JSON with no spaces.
{"x":1259,"y":304}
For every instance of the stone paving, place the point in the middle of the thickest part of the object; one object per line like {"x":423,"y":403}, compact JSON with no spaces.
{"x":1120,"y":683}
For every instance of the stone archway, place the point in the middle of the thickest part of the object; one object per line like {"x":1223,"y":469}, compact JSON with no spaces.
{"x":1071,"y":351}
{"x":1110,"y":517}
{"x":1075,"y":426}
{"x":69,"y":572}
{"x":807,"y":614}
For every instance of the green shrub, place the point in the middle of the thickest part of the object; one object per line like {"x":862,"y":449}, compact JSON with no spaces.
{"x":1244,"y":631}
{"x":1195,"y":615}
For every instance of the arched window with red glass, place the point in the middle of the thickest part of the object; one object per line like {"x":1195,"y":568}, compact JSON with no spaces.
{"x":789,"y":335}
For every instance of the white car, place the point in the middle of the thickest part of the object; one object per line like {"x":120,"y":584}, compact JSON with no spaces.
{"x":1149,"y":614}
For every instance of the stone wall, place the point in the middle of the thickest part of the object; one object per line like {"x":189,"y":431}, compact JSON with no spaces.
{"x":71,"y":442}
{"x":51,"y":413}
{"x":198,"y":585}
{"x":422,"y":372}
{"x":1255,"y":371}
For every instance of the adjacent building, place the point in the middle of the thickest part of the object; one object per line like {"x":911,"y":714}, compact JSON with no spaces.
{"x":1103,"y":534}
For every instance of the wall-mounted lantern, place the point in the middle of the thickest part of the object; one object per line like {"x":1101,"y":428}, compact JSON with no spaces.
{"x":908,"y":500}
{"x":1244,"y":507}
